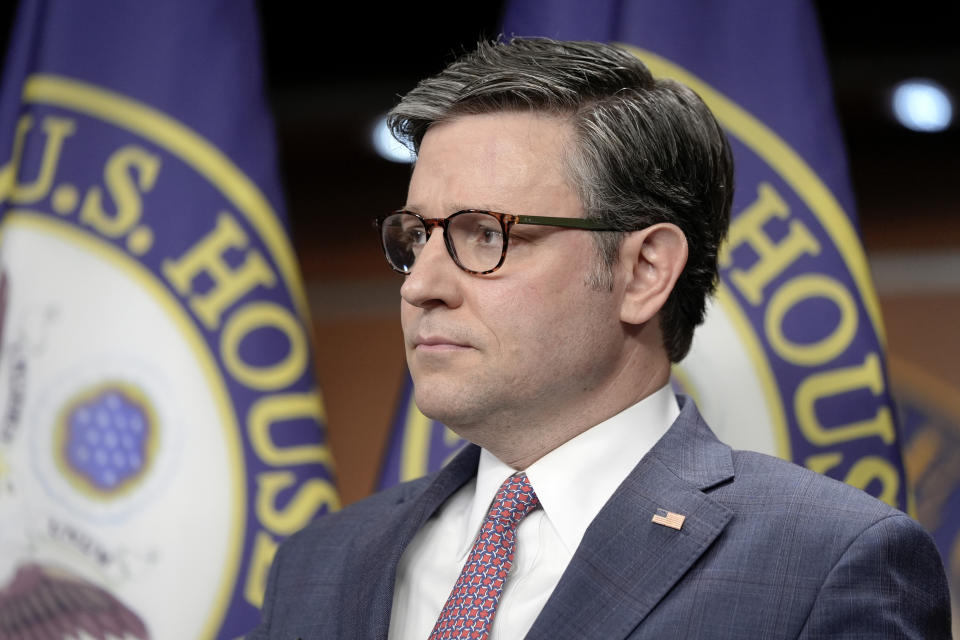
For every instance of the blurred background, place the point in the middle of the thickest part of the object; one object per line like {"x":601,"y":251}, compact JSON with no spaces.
{"x":331,"y":81}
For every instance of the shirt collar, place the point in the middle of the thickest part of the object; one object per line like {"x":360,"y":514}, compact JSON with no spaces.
{"x":577,"y":478}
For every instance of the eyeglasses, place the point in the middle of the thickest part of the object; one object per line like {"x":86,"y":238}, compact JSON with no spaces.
{"x":476,"y":240}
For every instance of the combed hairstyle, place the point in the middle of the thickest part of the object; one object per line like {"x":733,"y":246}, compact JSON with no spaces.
{"x":645,"y":150}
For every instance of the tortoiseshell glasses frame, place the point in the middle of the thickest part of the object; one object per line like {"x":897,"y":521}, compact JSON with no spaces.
{"x":476,"y":240}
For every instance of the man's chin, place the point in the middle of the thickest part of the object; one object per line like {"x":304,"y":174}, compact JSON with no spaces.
{"x":452,"y":405}
{"x":433,"y":401}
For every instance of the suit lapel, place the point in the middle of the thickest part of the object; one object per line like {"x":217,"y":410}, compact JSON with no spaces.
{"x":371,"y":597}
{"x":626,"y":563}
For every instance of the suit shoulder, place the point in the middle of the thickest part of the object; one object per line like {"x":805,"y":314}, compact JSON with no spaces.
{"x":778,"y":484}
{"x":823,"y":527}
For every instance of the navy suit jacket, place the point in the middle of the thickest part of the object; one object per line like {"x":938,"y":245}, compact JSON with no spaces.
{"x":768,"y":550}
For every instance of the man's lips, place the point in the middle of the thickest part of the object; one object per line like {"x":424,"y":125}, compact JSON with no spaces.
{"x":439,"y":343}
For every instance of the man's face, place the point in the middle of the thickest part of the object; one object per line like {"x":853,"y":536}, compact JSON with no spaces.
{"x":530,"y":340}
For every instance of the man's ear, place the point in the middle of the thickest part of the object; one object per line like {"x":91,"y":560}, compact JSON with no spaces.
{"x":652,"y":259}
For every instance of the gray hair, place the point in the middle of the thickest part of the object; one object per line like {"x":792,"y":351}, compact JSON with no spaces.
{"x":646,"y":150}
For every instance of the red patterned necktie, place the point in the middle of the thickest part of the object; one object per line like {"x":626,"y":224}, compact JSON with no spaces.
{"x":472,"y":604}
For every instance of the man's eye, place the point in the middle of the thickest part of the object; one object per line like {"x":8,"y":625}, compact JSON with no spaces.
{"x":484,"y":234}
{"x":490,"y":236}
{"x":415,"y":235}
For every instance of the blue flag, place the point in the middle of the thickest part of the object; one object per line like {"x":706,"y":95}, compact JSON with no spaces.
{"x":793,"y":340}
{"x":160,"y":425}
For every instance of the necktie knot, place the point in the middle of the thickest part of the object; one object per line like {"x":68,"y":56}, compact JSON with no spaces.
{"x":514,"y":500}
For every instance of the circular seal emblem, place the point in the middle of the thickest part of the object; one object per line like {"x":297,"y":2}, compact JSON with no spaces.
{"x":154,"y":343}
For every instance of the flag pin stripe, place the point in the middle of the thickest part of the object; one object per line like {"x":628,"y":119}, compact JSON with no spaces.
{"x":668,"y":519}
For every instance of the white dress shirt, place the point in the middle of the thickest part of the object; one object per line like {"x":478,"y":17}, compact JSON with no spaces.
{"x":573,"y":483}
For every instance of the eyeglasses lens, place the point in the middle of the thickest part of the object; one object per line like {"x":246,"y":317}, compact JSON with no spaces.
{"x":475,"y":239}
{"x":403,"y":236}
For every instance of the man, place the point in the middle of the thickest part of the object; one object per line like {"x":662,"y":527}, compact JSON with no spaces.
{"x":559,"y":241}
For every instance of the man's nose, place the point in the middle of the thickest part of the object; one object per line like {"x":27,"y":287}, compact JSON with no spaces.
{"x":434,"y":278}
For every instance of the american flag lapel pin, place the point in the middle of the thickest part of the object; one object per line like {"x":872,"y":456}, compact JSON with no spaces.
{"x":669,"y":519}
